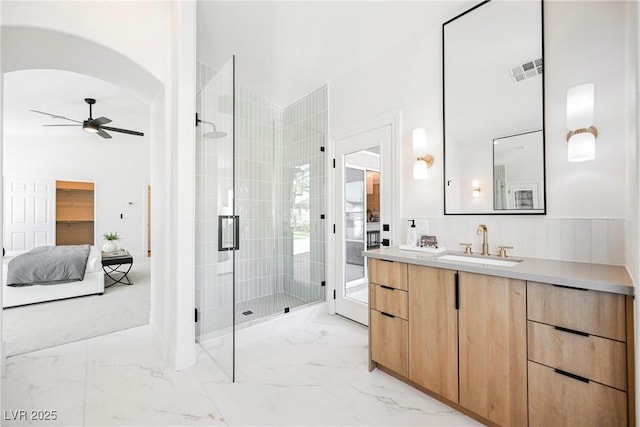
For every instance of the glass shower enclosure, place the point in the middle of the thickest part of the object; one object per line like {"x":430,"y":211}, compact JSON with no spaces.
{"x":260,"y":195}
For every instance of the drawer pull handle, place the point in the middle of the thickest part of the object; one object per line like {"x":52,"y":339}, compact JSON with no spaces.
{"x":387,"y":287}
{"x":571,"y":287}
{"x":571,"y":331}
{"x":570,"y":375}
{"x":387,"y":314}
{"x":386,"y":260}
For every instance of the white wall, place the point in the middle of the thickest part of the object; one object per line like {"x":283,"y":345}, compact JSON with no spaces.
{"x":119,"y":168}
{"x":633,"y":210}
{"x":408,"y":78}
{"x":1,"y":198}
{"x":632,"y":225}
{"x":139,"y":30}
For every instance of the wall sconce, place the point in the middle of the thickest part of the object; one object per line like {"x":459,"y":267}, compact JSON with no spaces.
{"x":423,"y":160}
{"x":476,"y":188}
{"x":582,"y":134}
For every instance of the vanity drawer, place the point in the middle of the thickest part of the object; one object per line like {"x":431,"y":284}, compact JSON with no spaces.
{"x":559,"y":400}
{"x":593,"y":312}
{"x":595,"y":358}
{"x":389,"y":342}
{"x":390,"y":300}
{"x":388,"y":273}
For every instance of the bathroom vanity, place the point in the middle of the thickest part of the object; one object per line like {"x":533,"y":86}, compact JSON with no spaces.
{"x":539,"y":343}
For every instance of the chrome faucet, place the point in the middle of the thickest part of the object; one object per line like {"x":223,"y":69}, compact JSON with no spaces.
{"x":482,"y":229}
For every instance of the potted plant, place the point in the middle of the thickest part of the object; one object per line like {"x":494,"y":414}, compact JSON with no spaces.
{"x":110,"y":245}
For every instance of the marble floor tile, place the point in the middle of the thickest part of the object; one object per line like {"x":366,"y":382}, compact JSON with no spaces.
{"x":305,"y":368}
{"x":128,"y":384}
{"x":50,"y":380}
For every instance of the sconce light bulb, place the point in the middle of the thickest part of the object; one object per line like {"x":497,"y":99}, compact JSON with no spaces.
{"x":476,"y":187}
{"x":580,"y":105}
{"x":419,"y":140}
{"x":581,"y":147}
{"x":420,"y":170}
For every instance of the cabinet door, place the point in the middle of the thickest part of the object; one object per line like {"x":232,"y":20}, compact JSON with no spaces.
{"x":433,"y":330}
{"x":493,"y":370}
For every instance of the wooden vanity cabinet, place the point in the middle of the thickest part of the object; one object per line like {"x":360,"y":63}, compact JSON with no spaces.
{"x":493,"y":348}
{"x":505,"y":351}
{"x":388,"y":316}
{"x":433,"y":330}
{"x":580,"y":357}
{"x":463,"y":338}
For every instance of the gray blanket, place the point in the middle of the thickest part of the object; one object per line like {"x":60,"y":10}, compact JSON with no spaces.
{"x":48,"y":265}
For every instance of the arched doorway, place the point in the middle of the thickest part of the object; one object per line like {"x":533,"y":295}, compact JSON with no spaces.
{"x":30,"y":48}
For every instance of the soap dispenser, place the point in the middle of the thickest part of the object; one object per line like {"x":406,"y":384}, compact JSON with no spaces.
{"x":412,"y":234}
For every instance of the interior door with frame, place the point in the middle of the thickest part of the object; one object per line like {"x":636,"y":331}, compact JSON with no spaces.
{"x":362,"y":204}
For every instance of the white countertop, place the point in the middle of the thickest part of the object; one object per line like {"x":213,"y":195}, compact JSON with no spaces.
{"x":597,"y":277}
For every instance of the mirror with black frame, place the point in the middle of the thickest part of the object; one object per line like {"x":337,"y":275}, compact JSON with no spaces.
{"x":494,"y":110}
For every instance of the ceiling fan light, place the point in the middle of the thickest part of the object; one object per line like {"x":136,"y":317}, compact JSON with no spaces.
{"x":90,"y":127}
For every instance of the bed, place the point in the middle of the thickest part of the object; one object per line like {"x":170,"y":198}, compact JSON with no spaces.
{"x":92,"y":284}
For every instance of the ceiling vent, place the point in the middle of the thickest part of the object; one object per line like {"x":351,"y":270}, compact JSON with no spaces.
{"x":527,"y":70}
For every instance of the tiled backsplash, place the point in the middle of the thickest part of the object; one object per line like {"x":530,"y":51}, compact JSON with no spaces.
{"x":584,"y":240}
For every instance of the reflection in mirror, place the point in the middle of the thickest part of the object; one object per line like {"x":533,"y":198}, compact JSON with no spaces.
{"x":517,"y":179}
{"x":493,"y":93}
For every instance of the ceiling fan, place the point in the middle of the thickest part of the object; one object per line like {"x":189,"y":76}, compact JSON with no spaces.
{"x":92,"y":125}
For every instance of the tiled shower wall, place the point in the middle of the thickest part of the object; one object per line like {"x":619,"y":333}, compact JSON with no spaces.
{"x":254,"y":170}
{"x":569,"y":239}
{"x":301,"y":264}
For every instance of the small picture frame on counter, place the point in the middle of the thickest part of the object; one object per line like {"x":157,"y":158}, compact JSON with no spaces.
{"x":428,"y":242}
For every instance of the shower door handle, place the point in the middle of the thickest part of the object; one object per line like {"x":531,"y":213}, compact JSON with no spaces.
{"x":228,"y":232}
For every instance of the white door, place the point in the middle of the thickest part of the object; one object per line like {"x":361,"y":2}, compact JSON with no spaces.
{"x":29,"y":213}
{"x":362,"y":208}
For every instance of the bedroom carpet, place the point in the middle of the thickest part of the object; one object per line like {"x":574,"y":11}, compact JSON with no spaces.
{"x":49,"y":324}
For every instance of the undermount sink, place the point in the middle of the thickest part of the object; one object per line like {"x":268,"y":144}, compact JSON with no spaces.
{"x":480,"y":259}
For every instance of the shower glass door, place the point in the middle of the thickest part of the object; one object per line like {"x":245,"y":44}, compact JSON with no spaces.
{"x":217,"y":224}
{"x":299,"y":203}
{"x":260,"y":206}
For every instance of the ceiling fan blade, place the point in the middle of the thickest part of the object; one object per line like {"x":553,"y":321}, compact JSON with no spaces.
{"x":103,"y":134}
{"x":61,"y":125}
{"x":55,"y":116}
{"x":130,"y":132}
{"x":100,"y":121}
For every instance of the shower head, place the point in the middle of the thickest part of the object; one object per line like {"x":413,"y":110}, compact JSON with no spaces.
{"x":215,"y":133}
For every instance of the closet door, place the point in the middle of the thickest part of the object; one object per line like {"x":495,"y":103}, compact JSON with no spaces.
{"x":29,"y":213}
